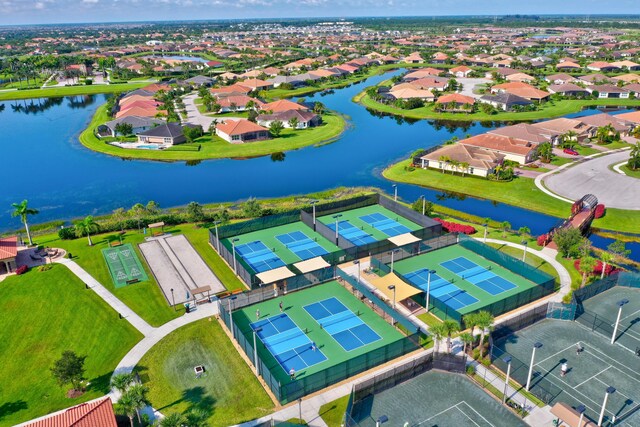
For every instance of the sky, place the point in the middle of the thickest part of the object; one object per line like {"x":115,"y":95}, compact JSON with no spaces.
{"x":16,"y":12}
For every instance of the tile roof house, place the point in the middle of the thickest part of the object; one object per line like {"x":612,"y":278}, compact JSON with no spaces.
{"x":283,"y":105}
{"x":406,"y":91}
{"x":563,"y":125}
{"x":138,"y":124}
{"x":633,"y":116}
{"x":8,"y":253}
{"x":568,"y":65}
{"x":421,"y":74}
{"x":166,"y":134}
{"x":481,"y":162}
{"x":609,"y":91}
{"x":256,"y":84}
{"x":520,"y":77}
{"x":460,"y":71}
{"x":627,"y":78}
{"x":97,"y":413}
{"x":523,"y":90}
{"x":618,"y":123}
{"x":240,"y":131}
{"x":236,"y":102}
{"x":413,"y":58}
{"x":560,"y":78}
{"x":518,"y":150}
{"x":236,"y":87}
{"x":592,"y":79}
{"x":504,"y":101}
{"x":456,"y":101}
{"x":629,"y":65}
{"x":305,"y":119}
{"x":525,"y":132}
{"x":601,"y":66}
{"x":568,"y":89}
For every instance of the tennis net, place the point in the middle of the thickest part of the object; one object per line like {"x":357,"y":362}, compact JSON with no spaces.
{"x":474,"y":271}
{"x":337,"y":318}
{"x":283,"y":336}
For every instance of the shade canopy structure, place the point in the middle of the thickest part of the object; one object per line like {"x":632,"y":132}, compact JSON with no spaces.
{"x":570,"y":416}
{"x":201,"y":289}
{"x":312,"y":264}
{"x":156,"y":225}
{"x":404,"y":239}
{"x":275,"y":275}
{"x":403,"y":290}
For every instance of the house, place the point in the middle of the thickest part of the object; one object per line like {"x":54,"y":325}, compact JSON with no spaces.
{"x":421,"y":74}
{"x":413,"y":58}
{"x":504,"y":101}
{"x":399,"y":92}
{"x":294,"y":81}
{"x":616,"y":122}
{"x":460,"y":71}
{"x":560,"y":79}
{"x":568,"y":89}
{"x":480,"y":162}
{"x":323,"y":73}
{"x":138,"y":110}
{"x":563,"y":125}
{"x":8,"y":253}
{"x":520,"y":77}
{"x":593,"y":79}
{"x":633,"y":117}
{"x":94,"y":413}
{"x":518,"y":150}
{"x":213,"y":64}
{"x":456,"y":102}
{"x":256,"y":84}
{"x":200,"y":81}
{"x":240,"y":131}
{"x":568,"y":66}
{"x":237,"y":102}
{"x":430,"y":83}
{"x":602,"y":66}
{"x":167,"y":134}
{"x":283,"y":105}
{"x":609,"y":91}
{"x":629,"y":65}
{"x":523,"y":90}
{"x":439,"y":58}
{"x":305,"y":119}
{"x":525,"y":132}
{"x":627,"y":78}
{"x":236,"y":87}
{"x":138,"y":124}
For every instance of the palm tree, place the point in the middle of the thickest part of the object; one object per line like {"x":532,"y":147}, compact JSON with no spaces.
{"x":505,"y":225}
{"x":545,"y":152}
{"x":86,"y":227}
{"x":197,"y":418}
{"x":174,"y":419}
{"x":438,"y":331}
{"x":465,"y":167}
{"x":127,"y":405}
{"x":454,"y":165}
{"x":606,"y":258}
{"x":524,"y":231}
{"x":122,"y":381}
{"x":471,"y":320}
{"x":23,"y":211}
{"x":467,"y":339}
{"x":634,"y":157}
{"x":587,"y":264}
{"x":119,"y":216}
{"x":452,"y":327}
{"x":445,"y":160}
{"x":485,"y":322}
{"x":138,"y":394}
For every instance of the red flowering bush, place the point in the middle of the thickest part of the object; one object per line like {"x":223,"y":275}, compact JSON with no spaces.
{"x":21,"y":270}
{"x":454,"y":227}
{"x":542,"y":239}
{"x":597,"y":270}
{"x":600,"y":210}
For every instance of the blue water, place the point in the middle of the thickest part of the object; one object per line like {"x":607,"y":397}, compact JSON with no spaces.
{"x":45,"y":163}
{"x":184,"y":58}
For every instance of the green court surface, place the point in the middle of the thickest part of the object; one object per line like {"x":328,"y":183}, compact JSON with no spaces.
{"x":124,"y":265}
{"x":435,"y":399}
{"x":354,"y":217}
{"x":269,"y":239}
{"x":433,"y":260}
{"x":605,"y":307}
{"x":293,"y":306}
{"x":590,"y":371}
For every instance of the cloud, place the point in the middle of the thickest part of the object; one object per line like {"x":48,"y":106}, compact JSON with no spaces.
{"x":90,"y":1}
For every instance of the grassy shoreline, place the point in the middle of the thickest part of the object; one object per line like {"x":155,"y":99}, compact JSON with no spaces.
{"x":53,"y":92}
{"x":333,"y":126}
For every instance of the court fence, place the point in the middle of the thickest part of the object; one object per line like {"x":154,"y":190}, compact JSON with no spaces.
{"x":295,"y":389}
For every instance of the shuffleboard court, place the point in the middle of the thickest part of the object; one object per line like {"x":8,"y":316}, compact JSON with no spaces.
{"x":478,"y":275}
{"x":302,"y":245}
{"x":259,"y":257}
{"x":341,"y":323}
{"x":290,"y":346}
{"x":124,"y":265}
{"x":388,"y":226}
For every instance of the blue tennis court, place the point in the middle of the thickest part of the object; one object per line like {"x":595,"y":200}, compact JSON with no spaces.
{"x":385,"y":224}
{"x":301,"y":245}
{"x":352,"y":233}
{"x":287,"y":343}
{"x":441,"y":288}
{"x":480,"y":276}
{"x":259,"y":257}
{"x":342,"y":324}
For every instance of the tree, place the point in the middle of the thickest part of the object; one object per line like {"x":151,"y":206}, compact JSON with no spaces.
{"x":505,"y":226}
{"x":318,"y":107}
{"x":524,"y":231}
{"x":465,"y":167}
{"x":471,"y":321}
{"x":252,"y":116}
{"x":119,"y":216}
{"x":467,"y":339}
{"x":634,"y":156}
{"x":22,"y":210}
{"x":438,"y":331}
{"x":293,"y":123}
{"x":69,"y":369}
{"x":606,"y":258}
{"x":192,"y":132}
{"x":138,"y":211}
{"x":152,"y":207}
{"x":276,"y":128}
{"x":252,"y":208}
{"x":418,"y":205}
{"x":587,"y":264}
{"x":197,"y":418}
{"x":127,"y":405}
{"x":122,"y":381}
{"x":124,"y":129}
{"x":619,"y":248}
{"x":452,"y":327}
{"x":545,"y":152}
{"x":174,"y":419}
{"x":568,"y":241}
{"x":195,"y":211}
{"x":139,"y":397}
{"x":484,"y":321}
{"x":86,"y":227}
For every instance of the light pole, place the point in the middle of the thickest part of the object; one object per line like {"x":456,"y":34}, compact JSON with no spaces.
{"x":610,"y":390}
{"x":233,"y":247}
{"x":581,"y":409}
{"x":393,"y":288}
{"x":615,"y":328}
{"x":215,"y":224}
{"x":395,"y":192}
{"x":313,"y":206}
{"x":533,"y":355}
{"x":173,"y":298}
{"x":357,"y":262}
{"x":485,"y":225}
{"x":381,"y":420}
{"x":255,"y":350}
{"x":429,"y":287}
{"x":524,"y":254}
{"x":336,"y":217}
{"x":300,"y":408}
{"x":393,"y":252}
{"x":424,"y":205}
{"x":507,"y":360}
{"x":233,"y":333}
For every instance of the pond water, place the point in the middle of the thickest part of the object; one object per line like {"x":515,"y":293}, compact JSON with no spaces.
{"x":45,"y":163}
{"x":183,"y":58}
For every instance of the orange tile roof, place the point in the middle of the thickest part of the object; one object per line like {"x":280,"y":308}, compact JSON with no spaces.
{"x":499,"y":143}
{"x":457,"y":98}
{"x":239,"y":127}
{"x":8,"y":247}
{"x":98,"y":413}
{"x":283,"y":105}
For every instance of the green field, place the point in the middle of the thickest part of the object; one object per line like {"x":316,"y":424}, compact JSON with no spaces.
{"x":293,"y":304}
{"x":217,"y":148}
{"x":229,"y":391}
{"x":353,"y":216}
{"x":44,"y":314}
{"x":70,"y":90}
{"x":268,"y":237}
{"x":124,"y":265}
{"x":435,"y":258}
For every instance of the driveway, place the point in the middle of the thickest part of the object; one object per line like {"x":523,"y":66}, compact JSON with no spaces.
{"x":593,"y":176}
{"x":195,"y":117}
{"x":468,"y":84}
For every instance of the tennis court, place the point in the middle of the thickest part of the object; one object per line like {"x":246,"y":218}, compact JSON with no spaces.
{"x":463,"y":280}
{"x":259,"y":257}
{"x":302,"y":245}
{"x":287,"y":343}
{"x":295,"y":350}
{"x":124,"y":265}
{"x":352,"y":233}
{"x":342,"y":324}
{"x":385,"y":224}
{"x":590,"y":371}
{"x":480,"y":276}
{"x":435,"y":399}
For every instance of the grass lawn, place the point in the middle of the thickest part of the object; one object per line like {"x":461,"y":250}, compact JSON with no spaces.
{"x":532,"y":259}
{"x":69,"y":90}
{"x":44,"y":314}
{"x":217,"y":148}
{"x":333,"y":412}
{"x":627,"y":171}
{"x":229,"y":391}
{"x":547,"y":110}
{"x":521,"y":192}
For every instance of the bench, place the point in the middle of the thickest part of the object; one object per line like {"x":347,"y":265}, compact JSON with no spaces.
{"x":115,"y":243}
{"x":132,"y":281}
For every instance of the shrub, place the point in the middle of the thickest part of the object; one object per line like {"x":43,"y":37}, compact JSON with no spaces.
{"x":470,"y":370}
{"x":67,"y":233}
{"x":597,"y":270}
{"x":45,"y":267}
{"x":600,"y":211}
{"x":454,"y":227}
{"x":541,"y":240}
{"x":22,"y":269}
{"x":475,"y":353}
{"x":409,"y":168}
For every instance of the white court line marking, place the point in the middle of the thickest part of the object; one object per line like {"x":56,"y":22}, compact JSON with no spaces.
{"x":592,"y":331}
{"x":629,"y":315}
{"x":617,"y":390}
{"x":557,"y":353}
{"x":468,"y":417}
{"x":456,"y":407}
{"x":613,"y":360}
{"x":439,"y":413}
{"x":592,"y":377}
{"x":477,"y":413}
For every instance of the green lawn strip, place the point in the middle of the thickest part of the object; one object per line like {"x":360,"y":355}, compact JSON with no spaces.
{"x":229,"y":391}
{"x":217,"y":148}
{"x":333,"y":412}
{"x":627,"y":171}
{"x":44,"y":314}
{"x":429,"y":319}
{"x":547,"y":110}
{"x":532,"y":259}
{"x":497,"y":372}
{"x":70,"y":90}
{"x":145,"y":298}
